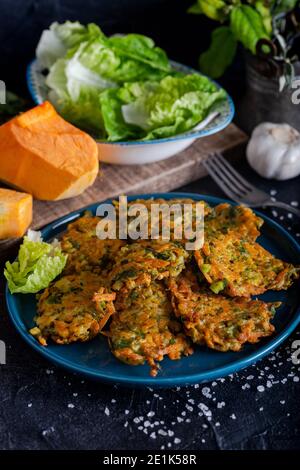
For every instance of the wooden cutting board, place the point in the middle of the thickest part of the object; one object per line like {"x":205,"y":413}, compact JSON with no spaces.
{"x":162,"y":176}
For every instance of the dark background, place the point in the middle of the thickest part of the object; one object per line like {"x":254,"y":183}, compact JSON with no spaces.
{"x":182,"y":35}
{"x":44,"y":407}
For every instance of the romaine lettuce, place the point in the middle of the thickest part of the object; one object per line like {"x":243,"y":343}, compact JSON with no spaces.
{"x":118,"y":63}
{"x":141,"y":48}
{"x":55,"y":41}
{"x":121,"y":87}
{"x":94,"y":63}
{"x":149,"y":110}
{"x":38,"y":263}
{"x":75,"y":94}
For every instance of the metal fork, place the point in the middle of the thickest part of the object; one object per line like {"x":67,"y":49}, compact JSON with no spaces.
{"x":237,"y":188}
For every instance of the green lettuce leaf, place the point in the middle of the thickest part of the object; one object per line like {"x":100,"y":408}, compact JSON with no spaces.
{"x":55,"y":41}
{"x":123,"y":87}
{"x":73,"y":33}
{"x":220,"y":53}
{"x":149,"y":110}
{"x":123,"y":59}
{"x":97,"y":64}
{"x":75,"y":94}
{"x":115,"y":125}
{"x":142,"y":49}
{"x":38,"y":264}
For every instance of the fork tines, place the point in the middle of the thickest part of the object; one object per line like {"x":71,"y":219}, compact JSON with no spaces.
{"x":229,"y":180}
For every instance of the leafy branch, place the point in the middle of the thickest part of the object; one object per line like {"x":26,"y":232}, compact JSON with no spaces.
{"x":247,"y":22}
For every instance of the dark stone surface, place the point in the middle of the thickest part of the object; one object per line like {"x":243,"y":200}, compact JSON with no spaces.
{"x":44,"y":407}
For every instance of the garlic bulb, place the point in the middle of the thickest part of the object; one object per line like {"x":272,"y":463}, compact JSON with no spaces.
{"x":274,"y":151}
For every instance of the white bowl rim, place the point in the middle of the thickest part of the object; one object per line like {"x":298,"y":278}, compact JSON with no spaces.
{"x":192,"y":134}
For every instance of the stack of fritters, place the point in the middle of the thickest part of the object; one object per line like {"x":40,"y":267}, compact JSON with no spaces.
{"x":155,"y":297}
{"x":144,"y":328}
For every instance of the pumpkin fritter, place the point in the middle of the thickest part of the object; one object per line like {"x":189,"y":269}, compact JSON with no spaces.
{"x":67,"y":311}
{"x":225,"y":219}
{"x":143,"y":328}
{"x":239,"y":267}
{"x":139,"y":263}
{"x":216,"y":321}
{"x":157,"y":223}
{"x":230,"y":259}
{"x":86,"y":252}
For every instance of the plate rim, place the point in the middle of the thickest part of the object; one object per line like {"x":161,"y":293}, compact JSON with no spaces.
{"x":30,"y":72}
{"x":158,"y":382}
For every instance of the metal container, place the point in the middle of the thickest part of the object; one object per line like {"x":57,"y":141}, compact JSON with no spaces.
{"x":263,"y":101}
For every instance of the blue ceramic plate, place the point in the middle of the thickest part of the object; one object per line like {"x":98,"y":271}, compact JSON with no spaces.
{"x":94,"y":360}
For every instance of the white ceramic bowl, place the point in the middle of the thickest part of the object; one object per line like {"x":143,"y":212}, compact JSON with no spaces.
{"x":141,"y":152}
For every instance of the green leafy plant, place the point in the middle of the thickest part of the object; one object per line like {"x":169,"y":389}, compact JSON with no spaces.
{"x":247,"y":22}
